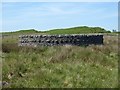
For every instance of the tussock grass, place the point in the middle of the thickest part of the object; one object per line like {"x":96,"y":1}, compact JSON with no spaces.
{"x":95,"y":66}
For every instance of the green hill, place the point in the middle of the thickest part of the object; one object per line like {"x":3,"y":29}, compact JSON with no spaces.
{"x":78,"y":30}
{"x":73,"y":30}
{"x":27,"y":31}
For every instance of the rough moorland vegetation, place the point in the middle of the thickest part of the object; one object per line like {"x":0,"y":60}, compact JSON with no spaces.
{"x":95,"y":66}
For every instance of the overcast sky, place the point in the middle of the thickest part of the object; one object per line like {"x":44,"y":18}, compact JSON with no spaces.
{"x":51,"y":15}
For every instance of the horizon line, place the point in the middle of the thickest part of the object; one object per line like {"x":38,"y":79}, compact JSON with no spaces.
{"x":58,"y":28}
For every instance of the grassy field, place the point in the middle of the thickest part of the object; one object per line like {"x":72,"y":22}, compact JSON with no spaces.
{"x":78,"y":30}
{"x":72,"y":30}
{"x":60,"y":66}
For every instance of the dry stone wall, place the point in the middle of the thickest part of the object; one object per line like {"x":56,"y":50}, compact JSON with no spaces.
{"x":51,"y":40}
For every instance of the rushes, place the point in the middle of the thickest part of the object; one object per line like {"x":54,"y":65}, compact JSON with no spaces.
{"x":62,"y":66}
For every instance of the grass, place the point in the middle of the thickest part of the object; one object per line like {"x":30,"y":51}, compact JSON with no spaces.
{"x":95,"y":66}
{"x":61,"y":66}
{"x":73,"y":30}
{"x":78,"y":30}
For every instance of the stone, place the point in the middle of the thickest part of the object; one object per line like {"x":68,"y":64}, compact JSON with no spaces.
{"x":50,"y":40}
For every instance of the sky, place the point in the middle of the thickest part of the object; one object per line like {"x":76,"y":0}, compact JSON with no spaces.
{"x":60,"y":0}
{"x":52,"y":15}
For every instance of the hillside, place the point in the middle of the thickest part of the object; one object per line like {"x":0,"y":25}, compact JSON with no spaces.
{"x":29,"y":31}
{"x":78,"y":30}
{"x":73,"y":30}
{"x":26,"y":31}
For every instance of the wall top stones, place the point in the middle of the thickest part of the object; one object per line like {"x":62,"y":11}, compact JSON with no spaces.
{"x":61,"y":34}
